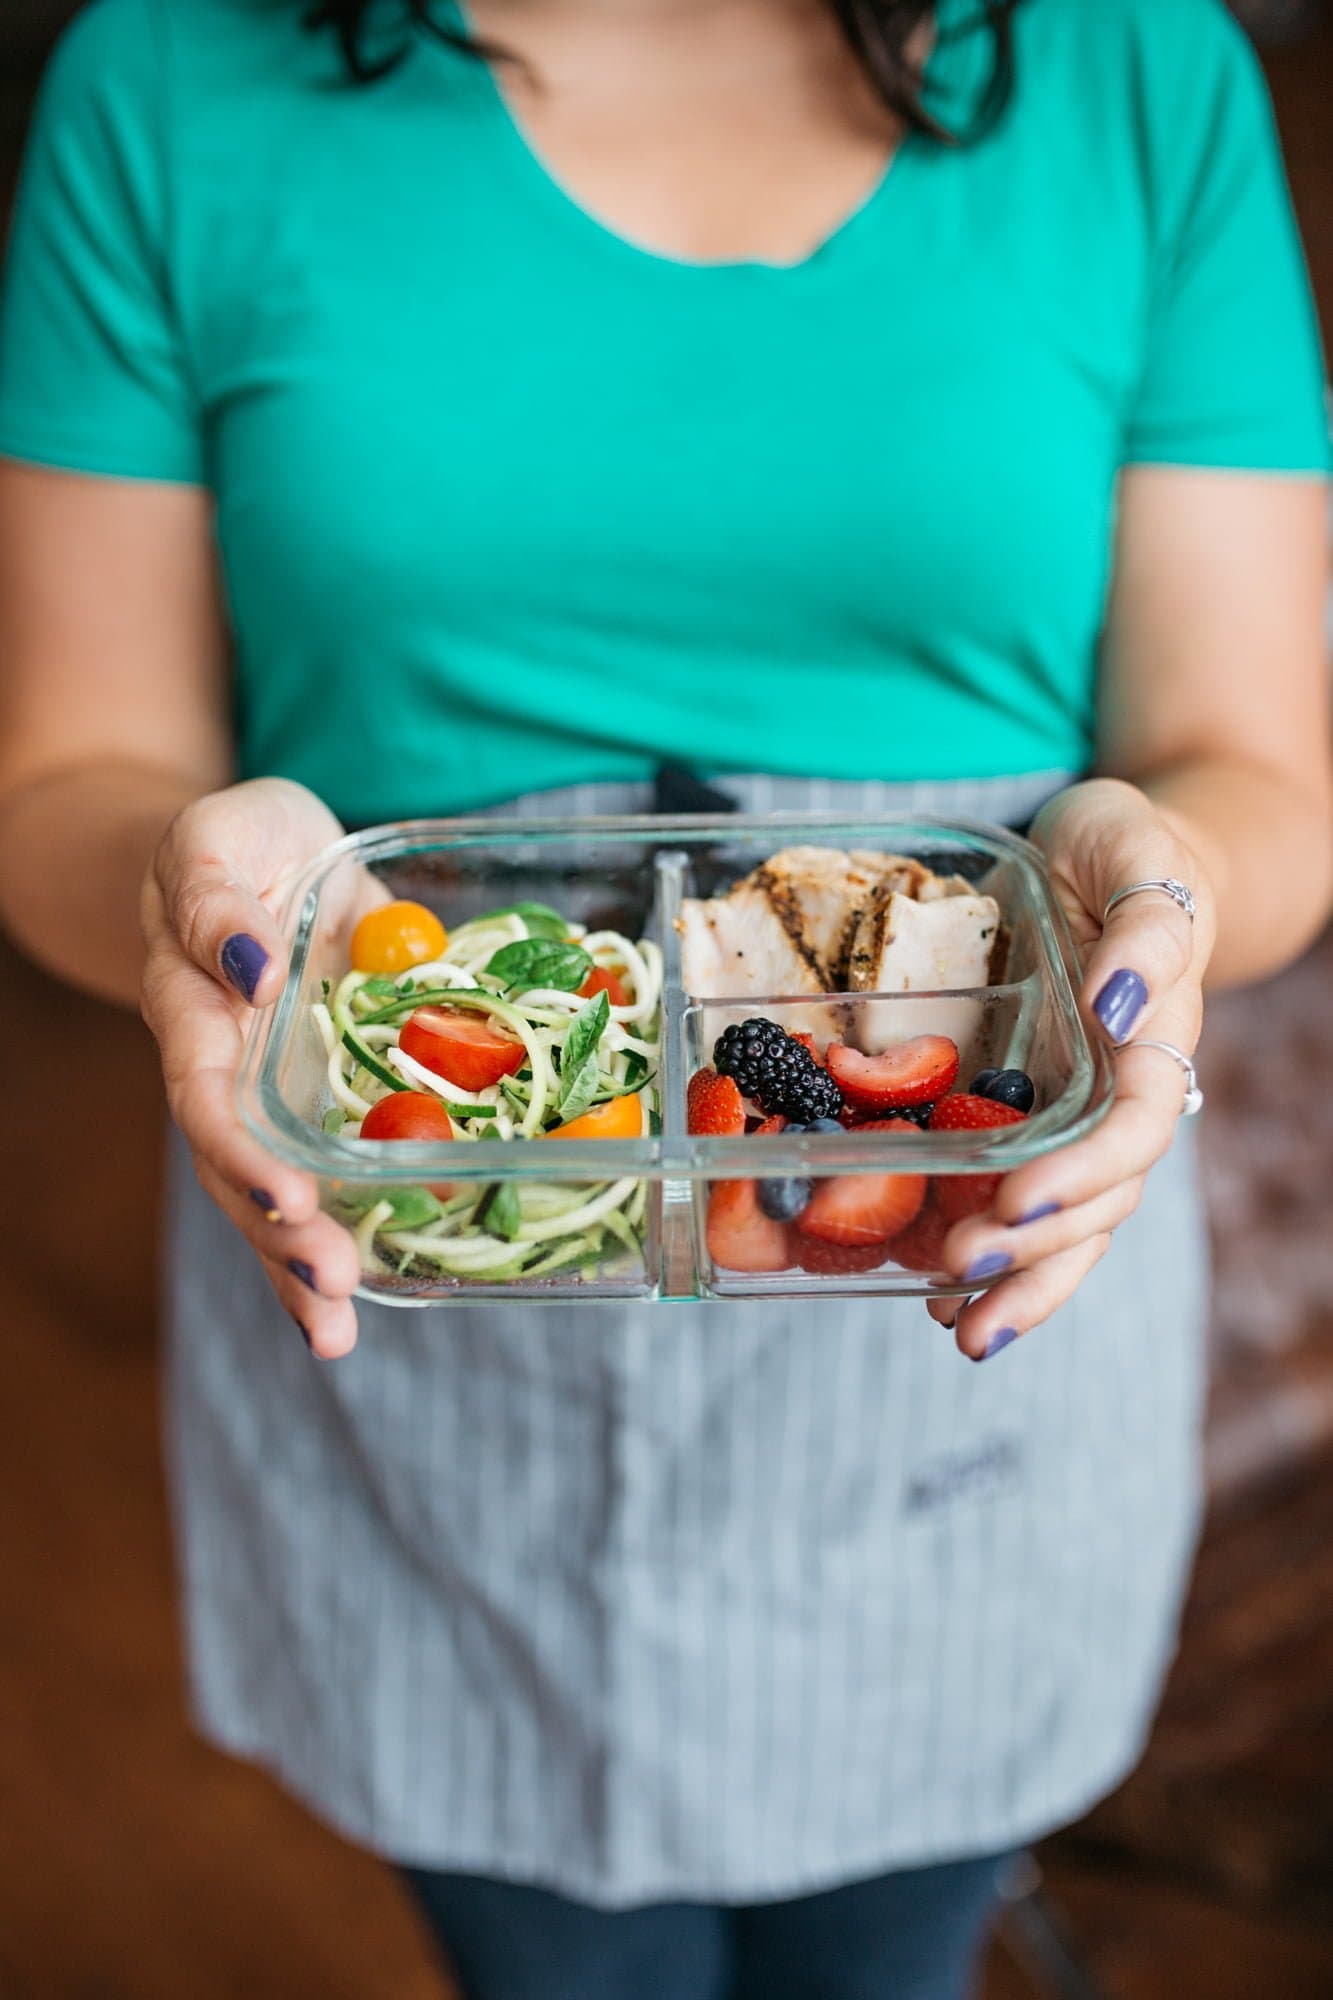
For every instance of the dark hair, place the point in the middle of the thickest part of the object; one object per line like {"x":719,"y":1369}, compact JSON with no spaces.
{"x":881,"y":33}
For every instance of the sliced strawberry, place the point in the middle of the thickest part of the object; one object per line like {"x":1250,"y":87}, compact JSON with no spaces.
{"x":838,"y":1260}
{"x":811,"y":1046}
{"x":921,"y":1245}
{"x":960,"y":1195}
{"x":966,"y":1113}
{"x":714,"y":1106}
{"x":859,"y":1209}
{"x":915,"y":1072}
{"x":768,"y":1128}
{"x":739,"y":1235}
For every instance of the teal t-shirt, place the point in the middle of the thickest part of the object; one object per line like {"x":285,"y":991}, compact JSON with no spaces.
{"x":504,"y":502}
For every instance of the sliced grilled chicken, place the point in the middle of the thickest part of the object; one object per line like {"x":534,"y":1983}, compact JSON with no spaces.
{"x":739,"y":944}
{"x":941,"y":939}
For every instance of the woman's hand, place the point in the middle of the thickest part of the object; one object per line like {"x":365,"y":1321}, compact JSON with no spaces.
{"x":1053,"y":1220}
{"x":214,"y":954}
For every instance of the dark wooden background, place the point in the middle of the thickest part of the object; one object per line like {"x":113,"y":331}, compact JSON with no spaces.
{"x":136,"y":1865}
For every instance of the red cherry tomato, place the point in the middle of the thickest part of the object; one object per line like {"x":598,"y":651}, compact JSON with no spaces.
{"x":407,"y":1114}
{"x":410,"y":1114}
{"x":599,"y":980}
{"x":461,"y":1047}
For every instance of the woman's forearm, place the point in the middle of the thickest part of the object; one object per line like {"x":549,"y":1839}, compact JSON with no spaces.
{"x":1268,"y":847}
{"x":74,"y":848}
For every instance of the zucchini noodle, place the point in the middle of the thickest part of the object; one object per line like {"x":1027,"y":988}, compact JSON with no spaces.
{"x":520,"y":1228}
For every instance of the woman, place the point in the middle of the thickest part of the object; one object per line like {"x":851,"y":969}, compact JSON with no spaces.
{"x":881,"y":404}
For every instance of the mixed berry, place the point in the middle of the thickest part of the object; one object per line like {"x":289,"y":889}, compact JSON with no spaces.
{"x":854,"y":1222}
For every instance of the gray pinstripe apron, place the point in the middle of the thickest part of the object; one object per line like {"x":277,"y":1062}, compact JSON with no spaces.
{"x":719,"y":1602}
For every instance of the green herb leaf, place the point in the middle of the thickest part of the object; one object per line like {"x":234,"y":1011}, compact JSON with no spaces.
{"x":380,"y":987}
{"x":542,"y":921}
{"x":412,"y":1207}
{"x":540,"y":962}
{"x":500,"y":1212}
{"x":579,"y":1072}
{"x":636,"y":1066}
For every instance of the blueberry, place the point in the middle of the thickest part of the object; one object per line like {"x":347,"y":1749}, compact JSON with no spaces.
{"x":1013,"y":1087}
{"x":982,"y":1082}
{"x":783,"y":1201}
{"x":822,"y":1125}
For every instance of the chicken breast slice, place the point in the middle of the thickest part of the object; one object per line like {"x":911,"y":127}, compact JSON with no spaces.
{"x":737,"y":945}
{"x":906,"y":944}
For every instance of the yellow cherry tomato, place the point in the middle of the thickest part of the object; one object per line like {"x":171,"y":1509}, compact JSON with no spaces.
{"x":397,"y":936}
{"x":618,"y":1118}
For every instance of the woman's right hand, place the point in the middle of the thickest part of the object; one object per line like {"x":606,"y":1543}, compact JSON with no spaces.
{"x":214,"y":954}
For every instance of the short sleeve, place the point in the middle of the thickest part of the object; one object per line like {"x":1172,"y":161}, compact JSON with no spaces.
{"x":92,"y":374}
{"x":1233,"y":374}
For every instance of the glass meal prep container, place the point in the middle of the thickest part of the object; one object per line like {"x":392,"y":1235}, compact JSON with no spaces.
{"x":512,"y":1218}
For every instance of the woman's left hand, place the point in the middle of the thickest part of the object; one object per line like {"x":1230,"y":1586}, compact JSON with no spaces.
{"x":1053,"y":1220}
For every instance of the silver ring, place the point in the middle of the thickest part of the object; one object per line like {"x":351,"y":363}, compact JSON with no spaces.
{"x":1193,"y":1095}
{"x":1181,"y":895}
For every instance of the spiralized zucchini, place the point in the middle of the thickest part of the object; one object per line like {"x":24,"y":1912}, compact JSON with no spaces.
{"x":495,"y":1233}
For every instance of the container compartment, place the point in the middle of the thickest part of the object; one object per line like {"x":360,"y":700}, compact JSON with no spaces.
{"x":631,"y":876}
{"x":917,"y":1183}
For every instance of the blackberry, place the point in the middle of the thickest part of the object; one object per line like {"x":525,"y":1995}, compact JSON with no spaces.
{"x":917,"y":1114}
{"x":775,"y":1072}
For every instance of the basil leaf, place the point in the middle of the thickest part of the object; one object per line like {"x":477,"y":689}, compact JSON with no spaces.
{"x":579,"y":1087}
{"x":540,"y":962}
{"x":500,"y":1213}
{"x":585,"y":1033}
{"x":412,"y":1207}
{"x":380,"y":987}
{"x":541,"y":920}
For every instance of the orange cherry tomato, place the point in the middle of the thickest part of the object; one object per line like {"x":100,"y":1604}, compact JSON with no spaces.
{"x":461,"y":1047}
{"x":410,"y":1114}
{"x":600,"y":980}
{"x":397,"y":936}
{"x":619,"y":1118}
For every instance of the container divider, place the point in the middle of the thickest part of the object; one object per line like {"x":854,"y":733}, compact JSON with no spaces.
{"x":679,"y":1279}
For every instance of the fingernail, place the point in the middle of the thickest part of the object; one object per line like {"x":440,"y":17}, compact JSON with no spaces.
{"x":1004,"y":1338}
{"x":1120,"y":1003}
{"x":304,"y":1332}
{"x":263,"y":1199}
{"x":243,"y":961}
{"x":305,"y":1272}
{"x":1040,"y":1213}
{"x":989,"y":1266}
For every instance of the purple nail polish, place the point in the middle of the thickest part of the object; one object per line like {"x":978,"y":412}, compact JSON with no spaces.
{"x":1040,"y":1213}
{"x":989,"y":1266}
{"x":1004,"y":1338}
{"x":305,"y":1272}
{"x":263,"y":1199}
{"x":243,"y":960}
{"x":1119,"y":1004}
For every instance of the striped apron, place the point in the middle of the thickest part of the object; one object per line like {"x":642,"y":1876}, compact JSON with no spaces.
{"x":721,"y":1602}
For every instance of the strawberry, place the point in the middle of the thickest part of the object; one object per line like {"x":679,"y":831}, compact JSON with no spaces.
{"x":859,"y":1209}
{"x":966,"y":1113}
{"x":768,"y":1128}
{"x":915,"y":1072}
{"x":811,"y":1046}
{"x":714,"y":1106}
{"x":837,"y":1260}
{"x":960,"y":1195}
{"x":921,"y":1245}
{"x":739,"y":1235}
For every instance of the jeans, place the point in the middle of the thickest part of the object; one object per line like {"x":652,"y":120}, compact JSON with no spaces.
{"x":913,"y":1935}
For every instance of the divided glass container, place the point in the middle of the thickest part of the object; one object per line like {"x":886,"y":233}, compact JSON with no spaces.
{"x":595,"y":1218}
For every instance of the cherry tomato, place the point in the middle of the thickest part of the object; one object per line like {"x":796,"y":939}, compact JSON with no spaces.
{"x":397,"y":936}
{"x":600,"y":980}
{"x":619,"y":1118}
{"x":410,"y":1114}
{"x":461,"y":1047}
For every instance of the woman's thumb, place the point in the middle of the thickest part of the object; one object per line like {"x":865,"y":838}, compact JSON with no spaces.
{"x":215,"y":913}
